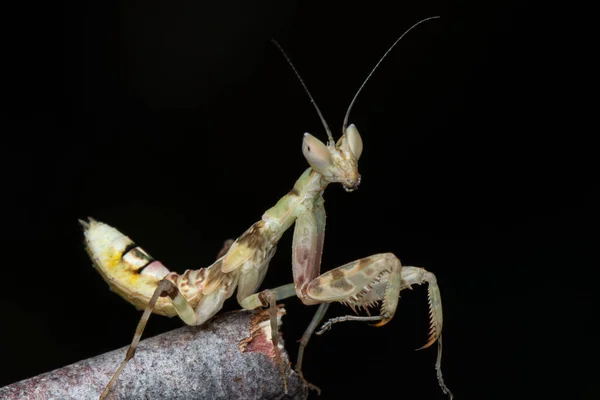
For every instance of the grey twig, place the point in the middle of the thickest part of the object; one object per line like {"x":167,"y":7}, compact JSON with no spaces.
{"x":230,"y":357}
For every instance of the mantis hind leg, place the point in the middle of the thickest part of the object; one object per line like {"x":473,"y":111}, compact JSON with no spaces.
{"x":318,"y":317}
{"x":269,"y":298}
{"x":186,"y":312}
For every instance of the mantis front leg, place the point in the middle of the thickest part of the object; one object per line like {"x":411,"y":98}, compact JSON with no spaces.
{"x":378,"y":279}
{"x":369,"y":282}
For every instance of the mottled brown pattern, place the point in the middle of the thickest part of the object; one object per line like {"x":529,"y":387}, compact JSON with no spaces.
{"x":337,"y":274}
{"x":253,"y":237}
{"x":301,"y":255}
{"x":172,"y":292}
{"x":229,"y":282}
{"x":342,"y":284}
{"x":184,"y":281}
{"x":214,"y":277}
{"x":257,"y":341}
{"x":362,"y":264}
{"x":265,"y":297}
{"x":214,"y":270}
{"x":315,"y":287}
{"x":294,"y":192}
{"x":200,"y":277}
{"x":172,"y":277}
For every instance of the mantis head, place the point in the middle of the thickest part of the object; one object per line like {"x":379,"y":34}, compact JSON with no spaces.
{"x":336,"y":162}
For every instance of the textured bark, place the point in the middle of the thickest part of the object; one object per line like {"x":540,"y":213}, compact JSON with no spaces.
{"x":230,"y":357}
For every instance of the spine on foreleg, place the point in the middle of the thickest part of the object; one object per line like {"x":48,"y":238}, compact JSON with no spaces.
{"x":435,"y":309}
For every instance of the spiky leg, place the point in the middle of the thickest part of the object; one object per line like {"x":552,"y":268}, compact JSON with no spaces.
{"x":185,"y":311}
{"x":258,"y":299}
{"x":438,"y":370}
{"x":361,"y":283}
{"x":165,"y":288}
{"x":269,"y":298}
{"x":344,"y":318}
{"x":304,"y":342}
{"x":409,"y":276}
{"x":262,"y":299}
{"x":415,"y":275}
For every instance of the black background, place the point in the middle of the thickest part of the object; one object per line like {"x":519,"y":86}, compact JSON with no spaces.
{"x":180,"y":123}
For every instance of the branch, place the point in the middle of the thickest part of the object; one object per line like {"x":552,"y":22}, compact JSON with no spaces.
{"x":231,"y":357}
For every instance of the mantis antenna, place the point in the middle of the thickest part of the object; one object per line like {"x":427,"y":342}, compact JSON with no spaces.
{"x":329,"y":135}
{"x":347,"y":116}
{"x":345,"y":125}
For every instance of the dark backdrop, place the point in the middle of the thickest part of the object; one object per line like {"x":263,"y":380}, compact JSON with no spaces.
{"x":180,"y":123}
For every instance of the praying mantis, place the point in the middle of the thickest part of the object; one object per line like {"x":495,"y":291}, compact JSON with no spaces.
{"x":197,"y":295}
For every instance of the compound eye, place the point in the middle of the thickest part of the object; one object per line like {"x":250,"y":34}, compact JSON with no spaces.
{"x":316,"y":153}
{"x":354,"y":141}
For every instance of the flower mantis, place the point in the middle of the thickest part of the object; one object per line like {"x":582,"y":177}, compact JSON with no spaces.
{"x":197,"y":295}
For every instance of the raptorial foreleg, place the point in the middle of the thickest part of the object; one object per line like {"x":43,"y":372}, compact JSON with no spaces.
{"x":415,"y":275}
{"x":373,"y":280}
